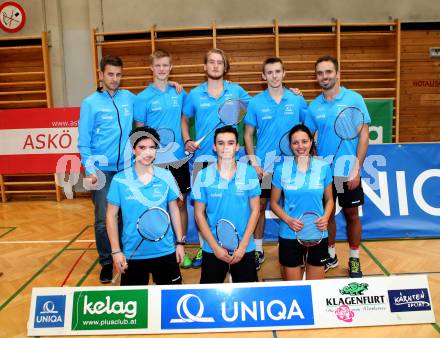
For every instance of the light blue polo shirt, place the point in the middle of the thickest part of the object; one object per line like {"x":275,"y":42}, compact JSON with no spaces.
{"x":204,"y":108}
{"x":162,"y":109}
{"x":321,"y":118}
{"x":134,"y":197}
{"x":227,"y":199}
{"x":272,"y":120}
{"x":303,"y":191}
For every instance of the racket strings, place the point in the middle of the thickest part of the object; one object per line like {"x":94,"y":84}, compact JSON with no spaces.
{"x":310,"y":233}
{"x":284,"y":145}
{"x":227,"y":235}
{"x":349,"y":123}
{"x":153,"y":225}
{"x":232,"y":112}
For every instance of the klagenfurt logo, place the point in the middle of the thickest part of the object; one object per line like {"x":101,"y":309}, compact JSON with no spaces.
{"x":238,"y":307}
{"x":409,"y":300}
{"x":351,"y":299}
{"x":49,"y":311}
{"x":108,"y":310}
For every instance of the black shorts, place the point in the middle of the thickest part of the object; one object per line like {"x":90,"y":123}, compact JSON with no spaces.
{"x":214,"y":270}
{"x":347,"y":198}
{"x":182,"y":177}
{"x":266,"y":186}
{"x":164,"y":269}
{"x":291,"y":253}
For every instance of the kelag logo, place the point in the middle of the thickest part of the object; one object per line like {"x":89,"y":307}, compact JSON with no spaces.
{"x":409,"y":300}
{"x":241,"y":307}
{"x":107,"y":310}
{"x":49,"y":311}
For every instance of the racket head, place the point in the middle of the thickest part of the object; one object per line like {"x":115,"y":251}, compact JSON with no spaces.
{"x":309,"y":235}
{"x":349,"y":123}
{"x":153,"y":224}
{"x":227,"y":235}
{"x":232,"y":112}
{"x":166,"y":137}
{"x":284,"y":145}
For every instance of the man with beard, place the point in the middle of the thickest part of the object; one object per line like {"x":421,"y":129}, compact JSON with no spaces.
{"x":105,"y":122}
{"x":346,"y":178}
{"x":203,"y":103}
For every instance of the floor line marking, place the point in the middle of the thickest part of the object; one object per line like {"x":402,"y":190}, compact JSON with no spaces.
{"x":35,"y":275}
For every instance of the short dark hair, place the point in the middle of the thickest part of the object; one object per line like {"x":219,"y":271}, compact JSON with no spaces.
{"x":223,"y":55}
{"x":304,"y":128}
{"x":270,"y":61}
{"x":226,"y":129}
{"x":110,"y":60}
{"x":142,"y":133}
{"x":328,"y":58}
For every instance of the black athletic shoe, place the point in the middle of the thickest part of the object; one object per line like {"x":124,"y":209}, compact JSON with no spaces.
{"x":354,"y":268}
{"x":106,"y":274}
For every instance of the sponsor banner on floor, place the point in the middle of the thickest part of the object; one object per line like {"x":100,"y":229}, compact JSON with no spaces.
{"x":231,"y":307}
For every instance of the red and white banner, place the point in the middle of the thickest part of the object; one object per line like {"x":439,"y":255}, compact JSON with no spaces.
{"x":39,"y":140}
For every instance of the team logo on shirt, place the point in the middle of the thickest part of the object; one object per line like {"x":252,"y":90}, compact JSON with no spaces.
{"x":125,"y":109}
{"x":216,"y":194}
{"x":174,"y":101}
{"x":288,"y":109}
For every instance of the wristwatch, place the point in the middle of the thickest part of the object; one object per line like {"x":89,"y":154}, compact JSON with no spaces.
{"x":182,"y":241}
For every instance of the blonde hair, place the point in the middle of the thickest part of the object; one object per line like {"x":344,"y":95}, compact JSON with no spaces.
{"x":159,"y":54}
{"x":223,"y":55}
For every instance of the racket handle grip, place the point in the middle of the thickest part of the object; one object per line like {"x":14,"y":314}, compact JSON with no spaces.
{"x":116,"y":277}
{"x":197,"y":143}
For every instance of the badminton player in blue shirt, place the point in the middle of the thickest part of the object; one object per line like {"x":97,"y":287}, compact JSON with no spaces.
{"x":229,"y":190}
{"x":347,"y":185}
{"x":160,"y":106}
{"x":270,"y":114}
{"x":302,"y":182}
{"x":202,"y":104}
{"x":133,"y":191}
{"x":106,"y":119}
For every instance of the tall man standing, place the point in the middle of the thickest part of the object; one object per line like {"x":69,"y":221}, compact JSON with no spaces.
{"x":160,"y":106}
{"x":202,"y":103}
{"x":346,"y":178}
{"x":106,"y":118}
{"x":271,"y":113}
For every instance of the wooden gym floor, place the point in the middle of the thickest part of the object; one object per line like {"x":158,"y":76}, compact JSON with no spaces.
{"x":44,"y":243}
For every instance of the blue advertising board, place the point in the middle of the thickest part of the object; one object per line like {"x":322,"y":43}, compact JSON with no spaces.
{"x":402,"y":194}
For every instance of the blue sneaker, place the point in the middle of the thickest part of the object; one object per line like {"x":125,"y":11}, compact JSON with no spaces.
{"x":197,"y":260}
{"x":331,"y":263}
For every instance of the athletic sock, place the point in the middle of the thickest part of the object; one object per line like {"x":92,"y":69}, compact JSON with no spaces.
{"x":332,"y":251}
{"x":354,"y":253}
{"x":259,"y":245}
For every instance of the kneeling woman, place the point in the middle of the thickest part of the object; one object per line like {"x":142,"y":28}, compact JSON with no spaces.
{"x":302,"y":182}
